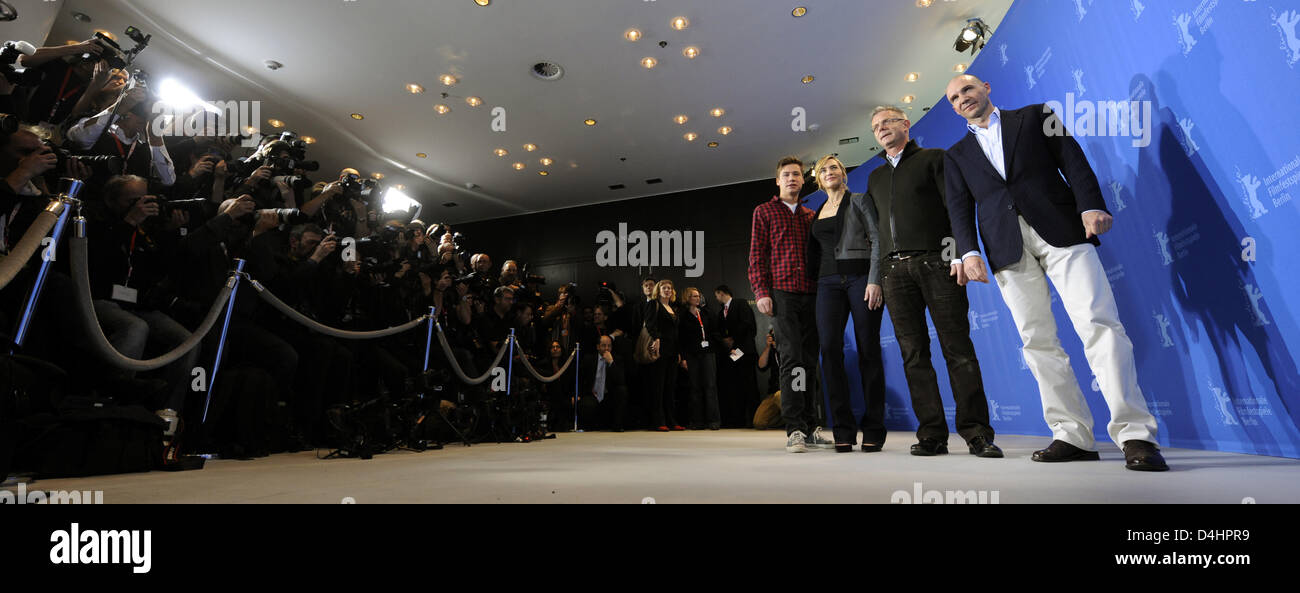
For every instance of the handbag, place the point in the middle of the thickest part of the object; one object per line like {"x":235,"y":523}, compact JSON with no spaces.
{"x":642,"y":353}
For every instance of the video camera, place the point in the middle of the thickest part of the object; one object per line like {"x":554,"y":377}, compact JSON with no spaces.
{"x":113,"y":53}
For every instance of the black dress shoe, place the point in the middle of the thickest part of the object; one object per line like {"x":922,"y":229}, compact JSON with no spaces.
{"x":1063,"y":451}
{"x":1144,"y":457}
{"x":872,"y":447}
{"x":929,"y":447}
{"x":982,"y":447}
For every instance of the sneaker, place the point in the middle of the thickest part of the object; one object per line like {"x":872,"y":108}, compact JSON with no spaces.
{"x":796,"y":444}
{"x":820,"y":439}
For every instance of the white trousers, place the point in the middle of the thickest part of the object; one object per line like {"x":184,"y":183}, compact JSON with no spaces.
{"x":1081,"y":282}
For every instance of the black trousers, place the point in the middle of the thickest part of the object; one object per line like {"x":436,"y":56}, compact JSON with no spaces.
{"x":911,"y":286}
{"x":795,"y":328}
{"x":737,"y":388}
{"x":839,"y":295}
{"x":703,"y":373}
{"x":661,"y":384}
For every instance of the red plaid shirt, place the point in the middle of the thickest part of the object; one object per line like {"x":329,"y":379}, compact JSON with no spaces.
{"x":777,"y":243}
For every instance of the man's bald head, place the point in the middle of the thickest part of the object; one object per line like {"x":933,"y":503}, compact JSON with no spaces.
{"x":969,"y":97}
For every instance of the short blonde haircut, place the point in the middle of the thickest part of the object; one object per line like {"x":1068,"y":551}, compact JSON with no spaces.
{"x":822,"y":162}
{"x":890,"y":108}
{"x":657,"y":293}
{"x":684,"y":297}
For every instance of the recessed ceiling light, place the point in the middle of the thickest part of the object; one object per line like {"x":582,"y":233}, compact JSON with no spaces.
{"x":414,"y":89}
{"x":399,"y":187}
{"x":691,"y":52}
{"x":543,"y":173}
{"x":250,"y":130}
{"x":681,"y":119}
{"x":690,"y":136}
{"x":679,"y":23}
{"x":799,"y":11}
{"x":358,"y":116}
{"x":959,"y":68}
{"x":275,"y":123}
{"x":377,"y":176}
{"x":724,"y":130}
{"x":107,"y":34}
{"x":713,"y":145}
{"x":501,"y":152}
{"x":545,"y":161}
{"x":807,"y":79}
{"x":308,"y":139}
{"x":441,"y":109}
{"x":421,"y":155}
{"x":81,"y":17}
{"x":649,"y":62}
{"x":632,"y":35}
{"x":912,"y":76}
{"x":589,"y":121}
{"x":482,"y":2}
{"x":530,"y":147}
{"x":717,"y":112}
{"x":924,"y":3}
{"x":909,"y":98}
{"x":573,"y":165}
{"x":518,"y":166}
{"x":71,"y":42}
{"x":473,"y":101}
{"x":447,"y":79}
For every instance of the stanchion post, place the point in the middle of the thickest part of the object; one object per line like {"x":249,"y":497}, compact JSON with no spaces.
{"x":29,"y":309}
{"x":428,"y":339}
{"x":510,"y":363}
{"x":577,"y":380}
{"x":225,"y":329}
{"x":69,"y":189}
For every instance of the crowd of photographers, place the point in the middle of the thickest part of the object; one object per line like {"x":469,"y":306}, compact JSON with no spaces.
{"x":168,"y":215}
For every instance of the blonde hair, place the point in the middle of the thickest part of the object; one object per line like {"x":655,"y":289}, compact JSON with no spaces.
{"x":817,"y":169}
{"x":883,"y":108}
{"x":684,"y":297}
{"x":657,"y":293}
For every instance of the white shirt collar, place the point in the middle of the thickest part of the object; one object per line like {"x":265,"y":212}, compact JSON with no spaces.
{"x":995,"y":119}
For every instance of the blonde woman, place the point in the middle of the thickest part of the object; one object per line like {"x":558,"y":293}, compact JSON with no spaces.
{"x":661,"y":323}
{"x":844,"y":255}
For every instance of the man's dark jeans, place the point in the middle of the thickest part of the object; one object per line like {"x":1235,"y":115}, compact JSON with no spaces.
{"x":795,"y":328}
{"x":910,"y":286}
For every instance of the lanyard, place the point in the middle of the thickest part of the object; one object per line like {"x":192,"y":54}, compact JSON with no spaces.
{"x":60,"y":96}
{"x":701,"y":322}
{"x":126,"y":154}
{"x":130,"y":257}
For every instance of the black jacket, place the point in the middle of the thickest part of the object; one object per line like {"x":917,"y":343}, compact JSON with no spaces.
{"x":739,"y":325}
{"x":663,"y":327}
{"x":857,"y":240}
{"x":689,"y":336}
{"x":910,"y":200}
{"x":1049,"y":183}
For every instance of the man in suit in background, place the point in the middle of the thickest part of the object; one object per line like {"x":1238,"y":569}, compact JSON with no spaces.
{"x":1040,"y":210}
{"x":603,"y":400}
{"x":737,"y":381}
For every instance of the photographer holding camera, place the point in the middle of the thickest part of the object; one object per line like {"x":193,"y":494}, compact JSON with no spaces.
{"x":338,"y":205}
{"x":62,"y":78}
{"x":272,"y":176}
{"x":131,"y":247}
{"x":127,"y":123}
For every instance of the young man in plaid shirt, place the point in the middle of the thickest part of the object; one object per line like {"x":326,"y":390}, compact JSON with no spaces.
{"x":783,"y":285}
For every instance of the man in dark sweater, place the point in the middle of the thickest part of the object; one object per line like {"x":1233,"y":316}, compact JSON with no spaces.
{"x":908,"y":194}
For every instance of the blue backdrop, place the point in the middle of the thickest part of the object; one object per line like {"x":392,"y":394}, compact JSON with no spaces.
{"x":1205,"y":220}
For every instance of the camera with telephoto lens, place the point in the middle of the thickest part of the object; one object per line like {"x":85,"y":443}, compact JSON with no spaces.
{"x":166,"y":206}
{"x":100,"y":165}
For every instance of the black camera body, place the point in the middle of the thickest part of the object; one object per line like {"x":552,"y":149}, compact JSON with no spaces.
{"x":100,"y":165}
{"x":9,"y":54}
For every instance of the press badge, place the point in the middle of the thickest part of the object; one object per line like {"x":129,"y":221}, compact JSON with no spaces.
{"x":124,"y":294}
{"x":704,"y":344}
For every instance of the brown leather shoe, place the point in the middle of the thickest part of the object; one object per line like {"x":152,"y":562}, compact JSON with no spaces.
{"x":1143,"y":456}
{"x":1062,"y":451}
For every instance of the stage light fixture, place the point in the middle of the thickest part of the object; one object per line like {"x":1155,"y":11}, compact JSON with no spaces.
{"x":972,"y":36}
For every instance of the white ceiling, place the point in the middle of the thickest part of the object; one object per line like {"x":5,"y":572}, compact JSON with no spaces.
{"x":355,"y":56}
